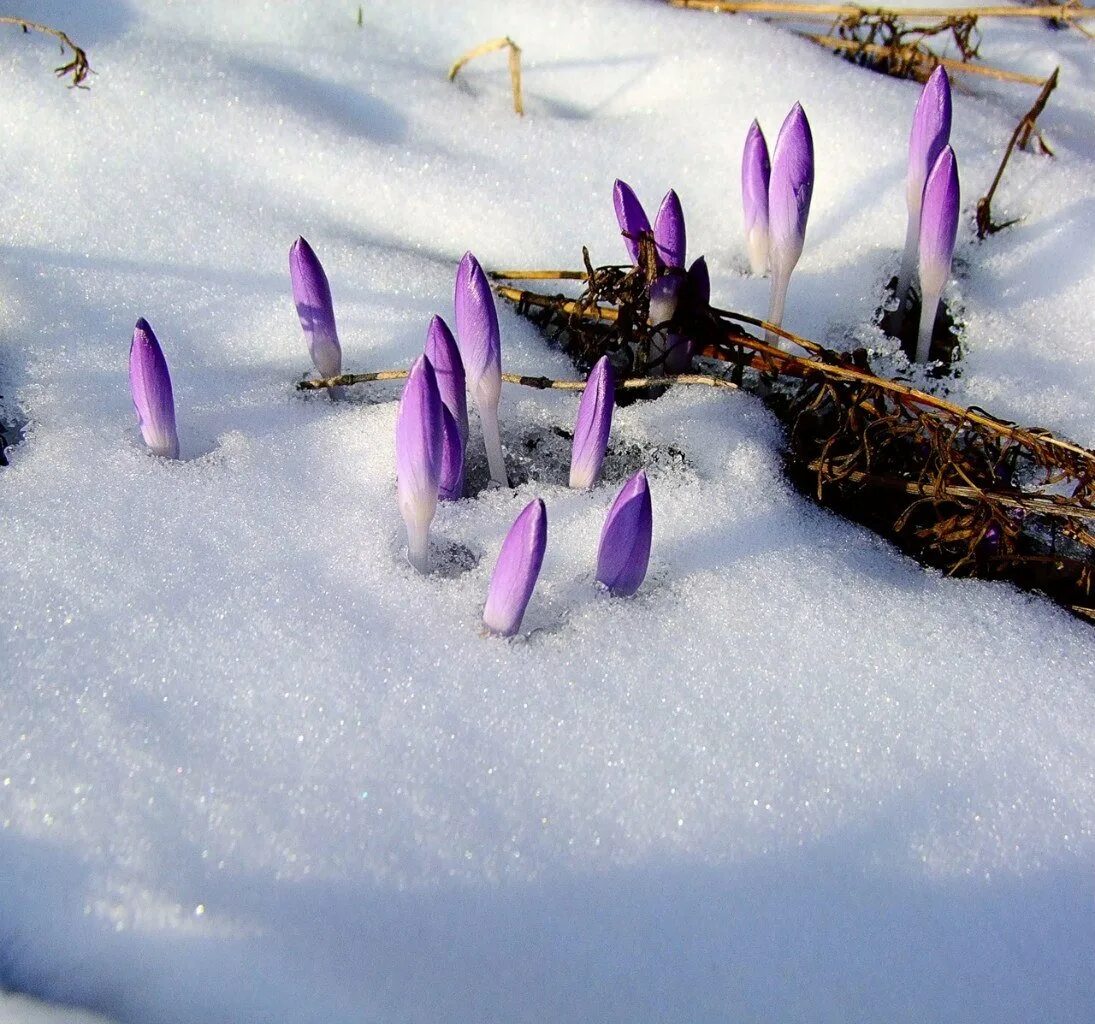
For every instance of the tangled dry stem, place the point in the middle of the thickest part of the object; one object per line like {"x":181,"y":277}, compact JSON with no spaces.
{"x":492,"y":45}
{"x":78,"y":67}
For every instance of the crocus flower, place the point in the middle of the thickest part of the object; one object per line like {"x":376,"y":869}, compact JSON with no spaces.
{"x":312,"y":295}
{"x":938,"y":229}
{"x":450,"y":485}
{"x":931,"y":131}
{"x":481,"y":350}
{"x":516,"y":571}
{"x":443,"y":354}
{"x":418,"y":457}
{"x":592,"y":427}
{"x":150,"y":386}
{"x":755,"y":172}
{"x":789,"y":192}
{"x":669,"y":236}
{"x":624,"y":552}
{"x":631,"y":217}
{"x":694,"y":298}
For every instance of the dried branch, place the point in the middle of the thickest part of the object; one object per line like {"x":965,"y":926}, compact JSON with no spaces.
{"x":78,"y":67}
{"x":827,"y":11}
{"x":514,"y":65}
{"x":1020,"y":137}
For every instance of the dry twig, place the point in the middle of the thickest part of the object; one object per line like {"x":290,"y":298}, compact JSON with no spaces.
{"x":78,"y":67}
{"x":514,"y":65}
{"x":827,"y":11}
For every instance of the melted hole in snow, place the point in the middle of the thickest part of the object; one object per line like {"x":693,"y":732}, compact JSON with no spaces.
{"x":903,"y":324}
{"x":448,"y":558}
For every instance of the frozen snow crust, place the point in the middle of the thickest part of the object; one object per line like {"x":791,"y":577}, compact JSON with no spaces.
{"x":253,"y":768}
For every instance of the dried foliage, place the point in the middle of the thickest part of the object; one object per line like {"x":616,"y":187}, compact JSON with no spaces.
{"x":502,"y":43}
{"x":78,"y":67}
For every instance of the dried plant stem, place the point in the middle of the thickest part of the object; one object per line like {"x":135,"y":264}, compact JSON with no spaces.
{"x":78,"y":67}
{"x":503,"y":42}
{"x":827,"y":11}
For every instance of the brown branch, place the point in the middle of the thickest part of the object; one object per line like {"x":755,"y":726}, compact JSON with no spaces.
{"x":78,"y":67}
{"x":491,"y":46}
{"x":827,"y":11}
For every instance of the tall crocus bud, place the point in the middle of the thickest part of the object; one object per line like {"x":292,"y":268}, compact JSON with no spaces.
{"x":789,"y":192}
{"x":938,"y":230}
{"x":445,"y":358}
{"x":592,"y":427}
{"x":516,"y":571}
{"x":755,"y":172}
{"x":631,"y":217}
{"x":450,"y":485}
{"x":312,"y":295}
{"x":150,"y":386}
{"x":481,"y":350}
{"x":625,"y":539}
{"x":931,"y":131}
{"x":669,"y":236}
{"x":418,"y":457}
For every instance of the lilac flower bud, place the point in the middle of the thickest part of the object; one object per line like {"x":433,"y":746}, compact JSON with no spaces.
{"x":625,"y":539}
{"x":593,"y":425}
{"x":938,"y":230}
{"x":150,"y":386}
{"x":694,"y":298}
{"x":516,"y":571}
{"x":312,"y":295}
{"x":755,"y":172}
{"x":631,"y":217}
{"x":931,"y":131}
{"x":481,"y":350}
{"x":789,"y":192}
{"x":445,"y":358}
{"x":418,"y":456}
{"x":697,"y":285}
{"x":451,"y":482}
{"x":665,"y":295}
{"x":669,"y":236}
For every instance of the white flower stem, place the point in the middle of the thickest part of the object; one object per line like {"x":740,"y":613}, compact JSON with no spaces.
{"x":908,"y":263}
{"x":488,"y":416}
{"x":418,"y":546}
{"x":928,"y":309}
{"x":775,"y":306}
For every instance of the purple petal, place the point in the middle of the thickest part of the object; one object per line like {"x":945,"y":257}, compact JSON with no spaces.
{"x":664,"y":296}
{"x":631,"y":217}
{"x":697,"y":286}
{"x":593,"y":425}
{"x":931,"y":131}
{"x":477,"y":331}
{"x":516,"y":571}
{"x":625,"y":539}
{"x":443,"y":354}
{"x":939,"y":223}
{"x":669,"y":231}
{"x":451,"y":482}
{"x":756,"y":170}
{"x":789,"y":191}
{"x":150,"y":386}
{"x":312,"y":295}
{"x":418,"y":441}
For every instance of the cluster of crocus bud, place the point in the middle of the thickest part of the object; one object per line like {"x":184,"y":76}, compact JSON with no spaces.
{"x":150,"y":386}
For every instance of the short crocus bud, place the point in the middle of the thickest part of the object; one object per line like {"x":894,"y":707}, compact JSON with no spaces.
{"x":669,"y":239}
{"x":450,"y":485}
{"x":938,"y":230}
{"x":150,"y":386}
{"x":789,"y":192}
{"x":756,"y":169}
{"x":624,"y":552}
{"x":694,"y":300}
{"x":418,"y":456}
{"x":665,"y":295}
{"x":481,"y":350}
{"x":312,"y":295}
{"x":516,"y":571}
{"x":631,"y":217}
{"x":931,"y":131}
{"x":444,"y":356}
{"x":592,"y":427}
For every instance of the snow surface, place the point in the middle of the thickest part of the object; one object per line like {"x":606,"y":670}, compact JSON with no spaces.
{"x":253,"y":768}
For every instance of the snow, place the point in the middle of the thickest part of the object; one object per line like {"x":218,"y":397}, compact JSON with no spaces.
{"x":253,"y":768}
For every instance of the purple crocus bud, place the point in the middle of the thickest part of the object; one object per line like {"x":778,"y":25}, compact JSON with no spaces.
{"x":450,"y":485}
{"x":516,"y":571}
{"x":312,"y":295}
{"x":755,"y":172}
{"x":789,"y":192}
{"x":694,"y":298}
{"x":445,"y":358}
{"x":481,"y":350}
{"x":665,"y":295}
{"x":592,"y":427}
{"x":938,"y":230}
{"x":931,"y":131}
{"x":150,"y":386}
{"x":669,"y":232}
{"x":418,"y":456}
{"x":631,"y":217}
{"x":625,"y":539}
